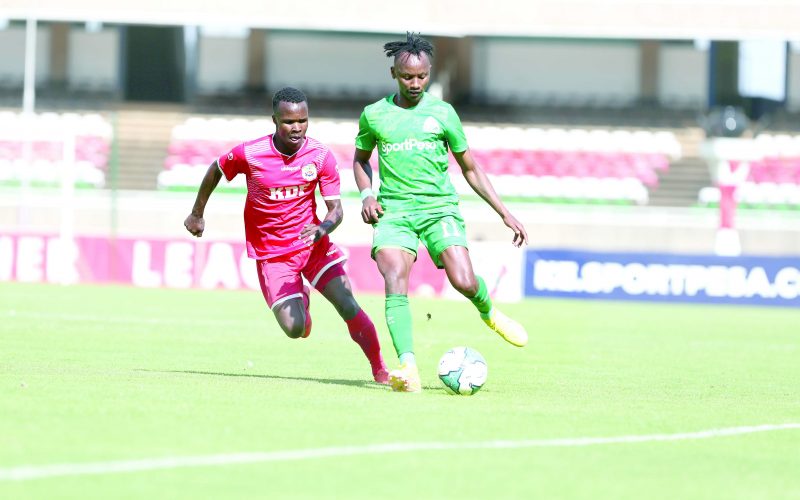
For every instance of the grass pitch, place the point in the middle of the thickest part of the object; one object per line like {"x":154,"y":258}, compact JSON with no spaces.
{"x":99,"y":375}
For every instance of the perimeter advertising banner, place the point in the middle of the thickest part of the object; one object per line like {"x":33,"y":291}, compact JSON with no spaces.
{"x":663,"y":277}
{"x":200,"y":263}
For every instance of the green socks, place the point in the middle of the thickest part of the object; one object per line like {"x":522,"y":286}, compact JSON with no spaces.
{"x":481,"y":300}
{"x":398,"y":319}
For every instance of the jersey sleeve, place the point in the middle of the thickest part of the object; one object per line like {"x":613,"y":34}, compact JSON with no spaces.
{"x":454,"y":132}
{"x":329,"y":178}
{"x":233,"y":162}
{"x":365,"y":140}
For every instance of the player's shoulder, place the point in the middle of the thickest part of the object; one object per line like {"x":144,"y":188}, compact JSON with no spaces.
{"x":317,"y":149}
{"x":316,"y":146}
{"x":259,"y":143}
{"x":432,"y":101}
{"x":380,"y":105}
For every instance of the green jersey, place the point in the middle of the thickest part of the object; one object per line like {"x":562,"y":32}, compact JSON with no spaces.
{"x":412,"y":150}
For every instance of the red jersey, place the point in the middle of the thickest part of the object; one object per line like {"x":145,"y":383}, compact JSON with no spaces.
{"x":280,"y":191}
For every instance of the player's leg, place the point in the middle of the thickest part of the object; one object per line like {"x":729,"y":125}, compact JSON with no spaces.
{"x":362,"y":330}
{"x":285,"y":294}
{"x":325,"y":271}
{"x":291,"y":316}
{"x":394,"y":248}
{"x":444,"y":235}
{"x":446,"y":241}
{"x":395,"y":265}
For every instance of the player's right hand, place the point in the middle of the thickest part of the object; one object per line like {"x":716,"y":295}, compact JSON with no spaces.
{"x":371,"y":210}
{"x":195,"y":225}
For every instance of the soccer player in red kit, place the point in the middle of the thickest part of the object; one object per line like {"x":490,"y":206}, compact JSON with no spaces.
{"x":283,"y":233}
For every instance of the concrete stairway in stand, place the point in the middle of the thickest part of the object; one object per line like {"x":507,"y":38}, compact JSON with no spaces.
{"x":679,"y":186}
{"x":143,"y":134}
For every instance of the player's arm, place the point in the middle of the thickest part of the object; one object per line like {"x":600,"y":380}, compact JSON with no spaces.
{"x":480,"y":183}
{"x":366,"y":140}
{"x":195,"y":223}
{"x":312,"y":232}
{"x":371,"y":210}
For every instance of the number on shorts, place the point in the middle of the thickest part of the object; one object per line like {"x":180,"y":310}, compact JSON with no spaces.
{"x":449,"y":228}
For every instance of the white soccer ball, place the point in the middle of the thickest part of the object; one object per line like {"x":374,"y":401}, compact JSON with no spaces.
{"x":463,"y":371}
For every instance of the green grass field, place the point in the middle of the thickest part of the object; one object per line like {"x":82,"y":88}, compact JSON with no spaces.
{"x":102,"y":375}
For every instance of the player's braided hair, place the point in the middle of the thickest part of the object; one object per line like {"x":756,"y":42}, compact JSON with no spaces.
{"x":412,"y":45}
{"x":287,"y":94}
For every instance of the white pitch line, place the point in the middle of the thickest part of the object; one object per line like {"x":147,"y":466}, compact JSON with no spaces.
{"x":29,"y":472}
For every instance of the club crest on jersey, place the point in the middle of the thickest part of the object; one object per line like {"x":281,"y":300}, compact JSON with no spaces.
{"x":431,"y":126}
{"x":309,"y":172}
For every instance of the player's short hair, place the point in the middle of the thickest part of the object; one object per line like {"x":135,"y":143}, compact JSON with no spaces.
{"x":287,"y":94}
{"x":412,"y":45}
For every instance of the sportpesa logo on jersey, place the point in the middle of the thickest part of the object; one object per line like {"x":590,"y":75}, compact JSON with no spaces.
{"x":407,"y":145}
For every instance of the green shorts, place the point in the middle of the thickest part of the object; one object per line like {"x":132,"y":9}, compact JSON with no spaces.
{"x":436,"y":230}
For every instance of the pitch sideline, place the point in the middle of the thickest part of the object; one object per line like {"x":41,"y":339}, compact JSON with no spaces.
{"x":31,"y":472}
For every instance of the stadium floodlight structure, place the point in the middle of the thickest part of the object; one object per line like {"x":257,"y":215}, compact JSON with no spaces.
{"x":60,"y":169}
{"x":729,"y":153}
{"x":68,"y":248}
{"x":31,"y":129}
{"x":28,"y":107}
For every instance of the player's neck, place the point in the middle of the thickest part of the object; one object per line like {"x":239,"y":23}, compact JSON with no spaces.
{"x":285,"y":149}
{"x":404,"y":103}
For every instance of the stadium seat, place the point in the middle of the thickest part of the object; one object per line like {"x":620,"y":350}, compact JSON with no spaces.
{"x":533,"y":162}
{"x":772,"y":181}
{"x":41,"y":161}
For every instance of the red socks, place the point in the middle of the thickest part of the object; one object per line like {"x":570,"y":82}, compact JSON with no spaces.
{"x":363,"y":332}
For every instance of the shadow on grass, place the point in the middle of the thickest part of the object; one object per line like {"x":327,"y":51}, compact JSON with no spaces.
{"x":352,"y":383}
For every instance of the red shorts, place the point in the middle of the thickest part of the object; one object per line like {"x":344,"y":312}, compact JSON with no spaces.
{"x":281,"y":277}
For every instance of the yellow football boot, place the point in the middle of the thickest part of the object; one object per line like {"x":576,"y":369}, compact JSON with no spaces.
{"x":513,"y":332}
{"x":405,"y":379}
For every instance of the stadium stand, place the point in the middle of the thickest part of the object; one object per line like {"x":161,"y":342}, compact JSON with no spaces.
{"x":773,"y":181}
{"x":42,"y":163}
{"x":567,"y":164}
{"x":143,"y":136}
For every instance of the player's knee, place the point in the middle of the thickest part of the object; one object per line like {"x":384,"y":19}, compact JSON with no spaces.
{"x":294,"y":329}
{"x":394,"y":277}
{"x":294,"y":332}
{"x":347,"y":308}
{"x":465,"y":285}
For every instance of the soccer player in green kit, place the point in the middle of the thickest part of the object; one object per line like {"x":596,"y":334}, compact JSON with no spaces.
{"x":413,"y":131}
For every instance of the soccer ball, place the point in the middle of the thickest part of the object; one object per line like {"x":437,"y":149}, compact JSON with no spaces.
{"x":462,"y":371}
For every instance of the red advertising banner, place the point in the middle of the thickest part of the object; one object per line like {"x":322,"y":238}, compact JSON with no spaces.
{"x":170,"y":263}
{"x":208,"y":264}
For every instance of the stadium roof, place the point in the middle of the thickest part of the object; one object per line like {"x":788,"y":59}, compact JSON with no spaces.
{"x":644,"y":19}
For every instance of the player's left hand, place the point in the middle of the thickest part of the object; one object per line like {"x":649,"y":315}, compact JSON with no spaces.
{"x":520,"y":235}
{"x":311,"y":233}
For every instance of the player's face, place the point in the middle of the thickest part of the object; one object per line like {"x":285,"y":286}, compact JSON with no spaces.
{"x":412,"y":73}
{"x":291,"y":123}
